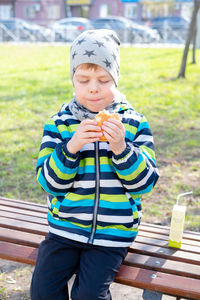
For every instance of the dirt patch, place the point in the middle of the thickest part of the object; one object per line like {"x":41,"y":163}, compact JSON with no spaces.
{"x":15,"y":280}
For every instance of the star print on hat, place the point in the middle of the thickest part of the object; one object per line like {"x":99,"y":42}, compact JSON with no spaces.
{"x":100,"y":47}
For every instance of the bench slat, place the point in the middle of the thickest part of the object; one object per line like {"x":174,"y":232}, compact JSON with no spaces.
{"x":23,"y":211}
{"x":158,"y":236}
{"x":8,"y":200}
{"x":28,"y":206}
{"x":165,"y":230}
{"x":165,"y":283}
{"x":23,"y":226}
{"x":16,"y":216}
{"x":168,"y":227}
{"x":169,"y":253}
{"x":19,"y":253}
{"x":163,"y":265}
{"x":20,"y":237}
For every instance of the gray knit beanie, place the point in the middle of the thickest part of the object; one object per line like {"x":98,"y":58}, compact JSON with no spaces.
{"x":100,"y":47}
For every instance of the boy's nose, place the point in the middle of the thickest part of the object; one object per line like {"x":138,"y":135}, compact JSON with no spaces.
{"x":94,"y":86}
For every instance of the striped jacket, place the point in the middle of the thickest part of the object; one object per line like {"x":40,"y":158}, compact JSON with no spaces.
{"x":94,"y":195}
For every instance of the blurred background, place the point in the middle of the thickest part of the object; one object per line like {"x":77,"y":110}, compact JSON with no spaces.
{"x":135,"y":21}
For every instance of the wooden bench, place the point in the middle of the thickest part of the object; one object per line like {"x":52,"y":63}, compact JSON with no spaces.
{"x":150,"y":264}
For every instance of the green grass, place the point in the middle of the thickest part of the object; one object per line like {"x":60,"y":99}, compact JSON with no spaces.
{"x":35,"y":82}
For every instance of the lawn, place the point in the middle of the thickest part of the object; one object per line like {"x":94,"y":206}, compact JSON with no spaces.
{"x":35,"y":82}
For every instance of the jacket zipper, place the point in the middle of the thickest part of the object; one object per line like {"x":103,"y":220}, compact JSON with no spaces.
{"x":96,"y":204}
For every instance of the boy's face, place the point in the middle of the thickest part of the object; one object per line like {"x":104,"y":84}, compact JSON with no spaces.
{"x":94,"y":88}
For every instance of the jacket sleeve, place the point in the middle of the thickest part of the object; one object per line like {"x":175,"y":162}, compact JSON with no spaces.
{"x":136,"y":165}
{"x":56,"y":167}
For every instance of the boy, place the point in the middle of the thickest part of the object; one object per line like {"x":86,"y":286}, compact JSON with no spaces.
{"x":94,"y":187}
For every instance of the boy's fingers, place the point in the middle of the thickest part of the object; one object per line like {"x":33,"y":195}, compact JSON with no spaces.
{"x":88,"y":121}
{"x":89,"y":125}
{"x":92,"y":128}
{"x":95,"y":134}
{"x":115,"y":124}
{"x":91,"y":134}
{"x":92,"y":140}
{"x":111,"y":128}
{"x":113,"y":131}
{"x":114,"y":121}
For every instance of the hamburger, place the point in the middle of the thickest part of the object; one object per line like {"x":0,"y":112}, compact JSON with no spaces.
{"x":104,"y":116}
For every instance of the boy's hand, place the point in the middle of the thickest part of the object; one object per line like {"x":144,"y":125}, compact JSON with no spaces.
{"x":114,"y":132}
{"x":87,"y":132}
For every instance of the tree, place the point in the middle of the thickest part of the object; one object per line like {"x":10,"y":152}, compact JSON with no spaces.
{"x":190,"y":36}
{"x":194,"y":43}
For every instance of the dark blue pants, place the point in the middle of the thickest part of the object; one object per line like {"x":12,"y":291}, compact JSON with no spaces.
{"x":59,"y":258}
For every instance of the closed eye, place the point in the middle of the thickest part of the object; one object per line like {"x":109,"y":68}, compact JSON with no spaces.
{"x":104,"y":81}
{"x":83,"y":81}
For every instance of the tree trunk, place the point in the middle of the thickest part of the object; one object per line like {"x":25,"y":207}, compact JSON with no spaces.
{"x":189,"y":38}
{"x":194,"y":44}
